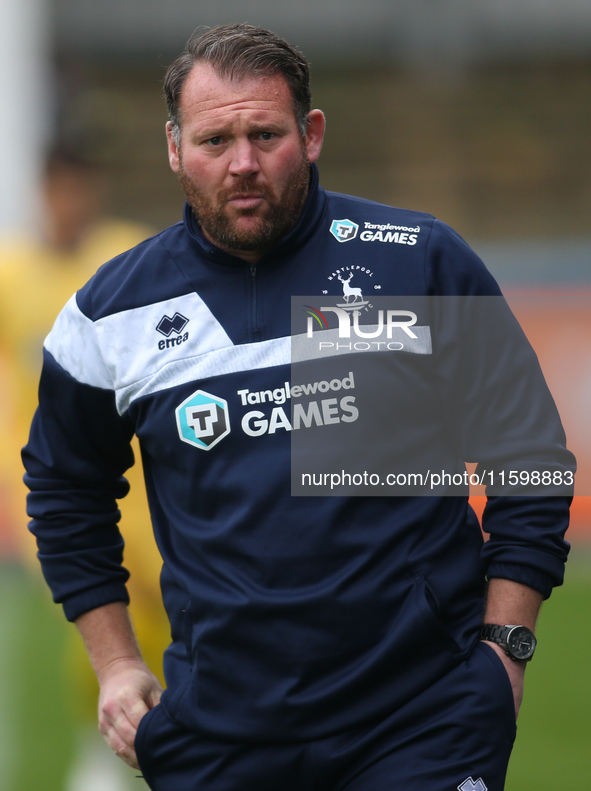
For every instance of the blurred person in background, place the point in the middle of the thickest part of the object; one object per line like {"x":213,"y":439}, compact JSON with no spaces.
{"x":318,"y":642}
{"x":37,"y":274}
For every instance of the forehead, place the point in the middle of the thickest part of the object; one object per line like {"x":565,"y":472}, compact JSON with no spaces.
{"x":206,"y":95}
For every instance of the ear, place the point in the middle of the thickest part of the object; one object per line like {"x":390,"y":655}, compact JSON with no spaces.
{"x":173,"y":149}
{"x":315,"y":134}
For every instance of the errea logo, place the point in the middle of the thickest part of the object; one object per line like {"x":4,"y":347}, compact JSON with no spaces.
{"x":172,"y":328}
{"x":472,"y":785}
{"x":344,"y":230}
{"x":203,"y":420}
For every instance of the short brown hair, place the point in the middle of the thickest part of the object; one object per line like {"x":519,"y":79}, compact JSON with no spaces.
{"x":235,"y":52}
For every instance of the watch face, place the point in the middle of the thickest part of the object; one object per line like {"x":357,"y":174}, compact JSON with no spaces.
{"x":521,"y":642}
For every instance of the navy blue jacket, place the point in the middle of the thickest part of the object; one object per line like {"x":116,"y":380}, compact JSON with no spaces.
{"x":291,"y":617}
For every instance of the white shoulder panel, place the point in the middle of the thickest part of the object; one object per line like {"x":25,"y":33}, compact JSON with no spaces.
{"x":72,"y":343}
{"x":231,"y":359}
{"x":251,"y":357}
{"x":138,"y":344}
{"x":145,"y":350}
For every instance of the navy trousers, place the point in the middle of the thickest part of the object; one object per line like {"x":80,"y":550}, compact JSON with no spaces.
{"x":457,"y":735}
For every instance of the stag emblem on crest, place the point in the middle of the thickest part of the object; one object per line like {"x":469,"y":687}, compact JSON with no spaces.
{"x":353,"y":296}
{"x":349,"y":292}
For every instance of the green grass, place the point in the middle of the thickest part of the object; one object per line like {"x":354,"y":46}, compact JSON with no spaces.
{"x":36,"y":718}
{"x":553,"y":748}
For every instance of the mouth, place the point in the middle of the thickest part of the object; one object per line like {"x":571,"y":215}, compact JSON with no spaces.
{"x":246,"y":200}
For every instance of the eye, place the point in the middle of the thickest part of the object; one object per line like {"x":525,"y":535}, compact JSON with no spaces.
{"x":215,"y":141}
{"x":267,"y":135}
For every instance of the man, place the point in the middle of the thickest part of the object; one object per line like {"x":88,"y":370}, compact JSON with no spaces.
{"x":327,"y":642}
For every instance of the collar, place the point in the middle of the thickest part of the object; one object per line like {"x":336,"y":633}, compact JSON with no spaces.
{"x":304,"y":228}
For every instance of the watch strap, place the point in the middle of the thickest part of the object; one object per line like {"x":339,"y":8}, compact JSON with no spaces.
{"x":496,"y":633}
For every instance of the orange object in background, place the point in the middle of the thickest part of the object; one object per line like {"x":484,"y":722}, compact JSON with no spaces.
{"x":558,"y":327}
{"x":580,"y":517}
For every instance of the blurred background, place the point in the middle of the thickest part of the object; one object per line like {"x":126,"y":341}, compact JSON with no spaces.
{"x":477,"y":112}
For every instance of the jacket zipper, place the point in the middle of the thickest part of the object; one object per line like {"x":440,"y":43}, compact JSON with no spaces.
{"x":253,"y":282}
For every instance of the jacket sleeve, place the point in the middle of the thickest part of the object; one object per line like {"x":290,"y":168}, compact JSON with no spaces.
{"x":502,"y":416}
{"x":78,"y":450}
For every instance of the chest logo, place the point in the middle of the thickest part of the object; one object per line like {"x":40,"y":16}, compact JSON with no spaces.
{"x":344,"y":230}
{"x":172,"y":329}
{"x":166,"y":326}
{"x":202,"y":420}
{"x":354,"y":298}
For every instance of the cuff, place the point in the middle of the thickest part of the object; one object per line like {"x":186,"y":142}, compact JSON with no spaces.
{"x":96,"y":597}
{"x":526,"y":575}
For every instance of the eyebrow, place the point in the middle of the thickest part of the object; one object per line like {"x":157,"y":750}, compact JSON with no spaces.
{"x":219,"y":131}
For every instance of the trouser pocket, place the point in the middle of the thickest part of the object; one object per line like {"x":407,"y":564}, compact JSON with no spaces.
{"x":142,"y":741}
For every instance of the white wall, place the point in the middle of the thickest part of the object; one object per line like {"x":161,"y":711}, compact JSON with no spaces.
{"x":24,"y":107}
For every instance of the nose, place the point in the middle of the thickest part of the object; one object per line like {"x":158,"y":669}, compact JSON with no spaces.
{"x":244,"y":160}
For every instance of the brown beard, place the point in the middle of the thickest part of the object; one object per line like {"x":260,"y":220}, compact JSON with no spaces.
{"x":280,"y":217}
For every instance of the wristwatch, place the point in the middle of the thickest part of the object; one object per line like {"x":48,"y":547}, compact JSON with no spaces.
{"x":518,"y":642}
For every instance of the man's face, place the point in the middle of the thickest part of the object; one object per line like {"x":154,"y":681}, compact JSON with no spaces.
{"x":242,"y":161}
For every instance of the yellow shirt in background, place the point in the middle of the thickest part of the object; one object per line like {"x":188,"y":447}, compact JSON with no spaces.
{"x":35,"y":283}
